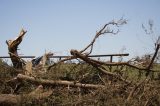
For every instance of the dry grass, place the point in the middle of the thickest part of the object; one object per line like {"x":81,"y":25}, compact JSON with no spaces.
{"x":115,"y":92}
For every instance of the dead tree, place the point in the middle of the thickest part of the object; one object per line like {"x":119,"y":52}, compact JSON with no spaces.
{"x":12,"y":50}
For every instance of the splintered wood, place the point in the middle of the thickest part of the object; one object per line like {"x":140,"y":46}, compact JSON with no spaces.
{"x":13,"y":47}
{"x":28,"y":68}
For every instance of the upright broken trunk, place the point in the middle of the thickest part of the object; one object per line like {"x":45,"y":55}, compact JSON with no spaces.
{"x":12,"y":49}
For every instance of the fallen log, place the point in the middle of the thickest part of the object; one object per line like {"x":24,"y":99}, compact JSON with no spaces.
{"x":9,"y":99}
{"x":46,"y":82}
{"x":37,"y":94}
{"x":152,"y":60}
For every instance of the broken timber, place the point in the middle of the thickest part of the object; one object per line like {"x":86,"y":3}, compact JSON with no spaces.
{"x":12,"y":50}
{"x":57,"y":82}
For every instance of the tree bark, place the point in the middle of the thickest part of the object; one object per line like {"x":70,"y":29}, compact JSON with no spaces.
{"x":57,"y":82}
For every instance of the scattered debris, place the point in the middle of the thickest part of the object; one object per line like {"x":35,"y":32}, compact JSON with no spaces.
{"x":107,"y":79}
{"x":12,"y":99}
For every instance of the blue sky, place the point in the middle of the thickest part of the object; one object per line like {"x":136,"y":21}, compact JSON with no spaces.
{"x":61,"y":25}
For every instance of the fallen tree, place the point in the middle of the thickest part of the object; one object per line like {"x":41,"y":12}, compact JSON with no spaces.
{"x":12,"y":99}
{"x":104,"y":30}
{"x":83,"y":55}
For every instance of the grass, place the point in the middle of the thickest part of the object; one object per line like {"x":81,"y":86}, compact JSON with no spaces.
{"x":115,"y":92}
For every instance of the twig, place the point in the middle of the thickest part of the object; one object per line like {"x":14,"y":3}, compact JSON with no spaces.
{"x":135,"y":88}
{"x":61,"y":61}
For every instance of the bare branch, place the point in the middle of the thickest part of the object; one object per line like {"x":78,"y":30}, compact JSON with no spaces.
{"x":105,"y":29}
{"x":61,"y":61}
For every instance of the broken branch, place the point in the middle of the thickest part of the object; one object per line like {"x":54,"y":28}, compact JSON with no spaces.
{"x":152,"y":60}
{"x":96,"y":64}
